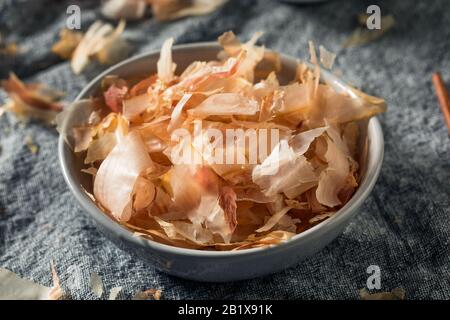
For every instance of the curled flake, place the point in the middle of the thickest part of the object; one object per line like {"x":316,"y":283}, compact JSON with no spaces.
{"x":166,"y":67}
{"x":114,"y":97}
{"x":144,"y":193}
{"x":334,"y":177}
{"x":122,"y":168}
{"x":326,"y":57}
{"x":165,"y":10}
{"x":273,"y":220}
{"x":124,"y":9}
{"x":35,"y":101}
{"x":337,"y":108}
{"x":254,"y":54}
{"x":12,"y":287}
{"x":102,"y":41}
{"x":114,"y":292}
{"x":100,"y":148}
{"x":283,"y":170}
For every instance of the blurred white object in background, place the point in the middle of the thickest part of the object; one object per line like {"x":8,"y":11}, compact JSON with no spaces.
{"x":303,"y":1}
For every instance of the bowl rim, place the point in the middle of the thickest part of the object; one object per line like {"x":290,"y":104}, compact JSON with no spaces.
{"x":325,"y":226}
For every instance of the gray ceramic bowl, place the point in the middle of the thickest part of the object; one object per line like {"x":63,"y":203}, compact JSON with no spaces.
{"x":215,"y":265}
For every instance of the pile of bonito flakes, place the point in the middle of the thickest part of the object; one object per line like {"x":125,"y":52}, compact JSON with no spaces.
{"x":223,"y":197}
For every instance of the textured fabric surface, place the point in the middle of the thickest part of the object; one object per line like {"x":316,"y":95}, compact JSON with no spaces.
{"x":403,"y":227}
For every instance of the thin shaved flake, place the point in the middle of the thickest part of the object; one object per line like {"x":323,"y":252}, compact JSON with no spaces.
{"x":225,"y":104}
{"x":118,"y":173}
{"x":12,"y":287}
{"x":316,"y":74}
{"x":56,"y":292}
{"x":175,"y":118}
{"x":333,"y":178}
{"x":176,"y":9}
{"x":68,"y":41}
{"x":146,"y":294}
{"x":394,"y":294}
{"x":273,"y":220}
{"x":96,"y":284}
{"x":339,"y":108}
{"x":83,"y":137}
{"x":114,"y":97}
{"x":101,"y":41}
{"x":114,"y":293}
{"x":253,"y":195}
{"x":300,"y":143}
{"x":326,"y":57}
{"x":134,"y":106}
{"x":219,"y":221}
{"x":179,"y":230}
{"x":31,"y":101}
{"x":321,"y":217}
{"x":124,"y":9}
{"x":100,"y":148}
{"x":166,"y":67}
{"x":227,"y":201}
{"x":283,"y":170}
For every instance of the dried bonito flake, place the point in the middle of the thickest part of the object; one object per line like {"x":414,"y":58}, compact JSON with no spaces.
{"x":394,"y":294}
{"x":67,"y":43}
{"x":165,"y":165}
{"x":120,"y":172}
{"x":32,"y":146}
{"x":8,"y":48}
{"x":147,"y":294}
{"x":326,"y":57}
{"x":15,"y":288}
{"x":96,"y":284}
{"x":56,"y":292}
{"x":28,"y":101}
{"x":362,"y":35}
{"x":166,"y":67}
{"x":114,"y":293}
{"x":12,"y":287}
{"x":124,"y":9}
{"x":165,"y":10}
{"x":102,"y":42}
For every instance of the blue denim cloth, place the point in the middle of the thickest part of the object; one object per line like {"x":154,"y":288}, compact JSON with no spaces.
{"x":403,"y":227}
